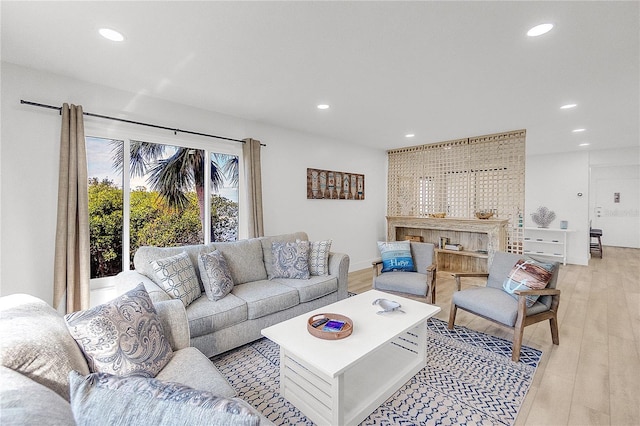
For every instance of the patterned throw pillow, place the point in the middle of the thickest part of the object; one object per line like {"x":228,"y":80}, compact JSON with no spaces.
{"x":528,"y":274}
{"x":290,"y":260}
{"x":396,"y":256}
{"x":319,"y":257}
{"x":106,"y":399}
{"x":124,"y":336}
{"x":178,"y":277}
{"x":215,"y":274}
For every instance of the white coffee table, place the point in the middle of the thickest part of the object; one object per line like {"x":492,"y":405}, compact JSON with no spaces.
{"x":341,"y":382}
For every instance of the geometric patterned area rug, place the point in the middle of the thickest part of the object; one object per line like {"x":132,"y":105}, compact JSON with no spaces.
{"x":469,"y":380}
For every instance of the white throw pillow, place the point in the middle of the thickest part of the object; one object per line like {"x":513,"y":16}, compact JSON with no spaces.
{"x":319,"y":257}
{"x":178,"y":277}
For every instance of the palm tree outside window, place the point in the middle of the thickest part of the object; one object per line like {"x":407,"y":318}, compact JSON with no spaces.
{"x":166,"y":203}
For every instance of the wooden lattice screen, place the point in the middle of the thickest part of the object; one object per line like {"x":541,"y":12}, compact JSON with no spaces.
{"x":461,"y":177}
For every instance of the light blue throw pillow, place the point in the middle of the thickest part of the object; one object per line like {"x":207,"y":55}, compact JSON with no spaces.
{"x":396,"y":256}
{"x":105,"y":399}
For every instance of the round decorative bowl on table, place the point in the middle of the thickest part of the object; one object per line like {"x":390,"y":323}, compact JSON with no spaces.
{"x":318,"y":332}
{"x":484,"y":215}
{"x":437,"y":215}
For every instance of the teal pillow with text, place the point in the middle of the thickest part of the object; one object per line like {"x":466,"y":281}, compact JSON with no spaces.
{"x":396,"y":256}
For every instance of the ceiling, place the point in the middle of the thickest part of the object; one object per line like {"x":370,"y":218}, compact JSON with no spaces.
{"x":439,"y":70}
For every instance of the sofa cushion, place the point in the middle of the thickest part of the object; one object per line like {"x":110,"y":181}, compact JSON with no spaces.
{"x":319,"y":257}
{"x":124,"y":336}
{"x":206,"y":316}
{"x":146,"y":254}
{"x":311,"y":289}
{"x":177,"y":277}
{"x":268,"y":241}
{"x":26,"y":402}
{"x":290,"y":260}
{"x":190,"y":367}
{"x":244,"y":259}
{"x":402,"y":282}
{"x":35,"y":342}
{"x":215,"y":273}
{"x":493,"y":303}
{"x":107,"y":399}
{"x":266,"y":297}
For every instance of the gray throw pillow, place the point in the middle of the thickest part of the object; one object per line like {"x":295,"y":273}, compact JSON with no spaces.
{"x":215,"y":274}
{"x":124,"y":336}
{"x":290,"y":260}
{"x":104,"y":399}
{"x":178,"y":277}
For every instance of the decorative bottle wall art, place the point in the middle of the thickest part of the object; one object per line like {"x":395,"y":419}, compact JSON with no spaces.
{"x":332,"y":185}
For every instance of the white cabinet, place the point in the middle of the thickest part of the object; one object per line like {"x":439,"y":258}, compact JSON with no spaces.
{"x":548,"y":242}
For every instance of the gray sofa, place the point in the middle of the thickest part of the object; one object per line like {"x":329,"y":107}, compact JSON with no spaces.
{"x":38,"y":353}
{"x":254,"y":303}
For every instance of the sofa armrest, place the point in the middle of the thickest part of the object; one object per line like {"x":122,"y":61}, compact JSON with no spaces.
{"x":339,"y":267}
{"x":175,"y":323}
{"x":128,"y":280}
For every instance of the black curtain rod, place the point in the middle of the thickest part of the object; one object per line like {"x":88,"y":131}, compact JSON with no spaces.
{"x":139,"y":123}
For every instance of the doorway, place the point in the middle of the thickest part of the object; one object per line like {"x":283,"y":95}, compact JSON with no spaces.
{"x":616,"y":205}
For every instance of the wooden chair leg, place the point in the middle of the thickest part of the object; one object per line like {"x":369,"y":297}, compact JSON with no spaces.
{"x":517,"y":343}
{"x":433,"y":290}
{"x":555,"y":337}
{"x":452,"y":316}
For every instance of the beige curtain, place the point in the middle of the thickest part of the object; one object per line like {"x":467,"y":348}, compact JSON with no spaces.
{"x":253,"y":176}
{"x":72,"y":267}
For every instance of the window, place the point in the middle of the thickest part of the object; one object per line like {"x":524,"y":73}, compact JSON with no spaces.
{"x":167,"y":202}
{"x":225,"y":170}
{"x":105,"y":208}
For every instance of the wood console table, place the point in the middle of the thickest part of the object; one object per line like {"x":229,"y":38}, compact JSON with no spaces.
{"x":479,"y":238}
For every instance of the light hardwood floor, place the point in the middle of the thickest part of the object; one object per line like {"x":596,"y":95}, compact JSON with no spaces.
{"x":593,"y":376}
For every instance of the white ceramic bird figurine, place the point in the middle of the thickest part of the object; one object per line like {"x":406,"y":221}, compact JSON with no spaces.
{"x":387,"y":306}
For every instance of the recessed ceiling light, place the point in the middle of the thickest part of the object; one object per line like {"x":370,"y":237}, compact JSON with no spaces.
{"x":409,"y":135}
{"x":568,"y":106}
{"x":584,"y":144}
{"x":538,"y":30}
{"x":110,"y":34}
{"x":323,"y":106}
{"x":578,"y":130}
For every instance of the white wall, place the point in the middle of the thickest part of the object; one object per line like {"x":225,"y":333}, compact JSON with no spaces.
{"x":554,"y":181}
{"x":29,"y":164}
{"x":616,"y":171}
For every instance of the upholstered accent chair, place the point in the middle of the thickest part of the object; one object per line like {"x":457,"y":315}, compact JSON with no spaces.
{"x":419,"y":283}
{"x":495,"y":304}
